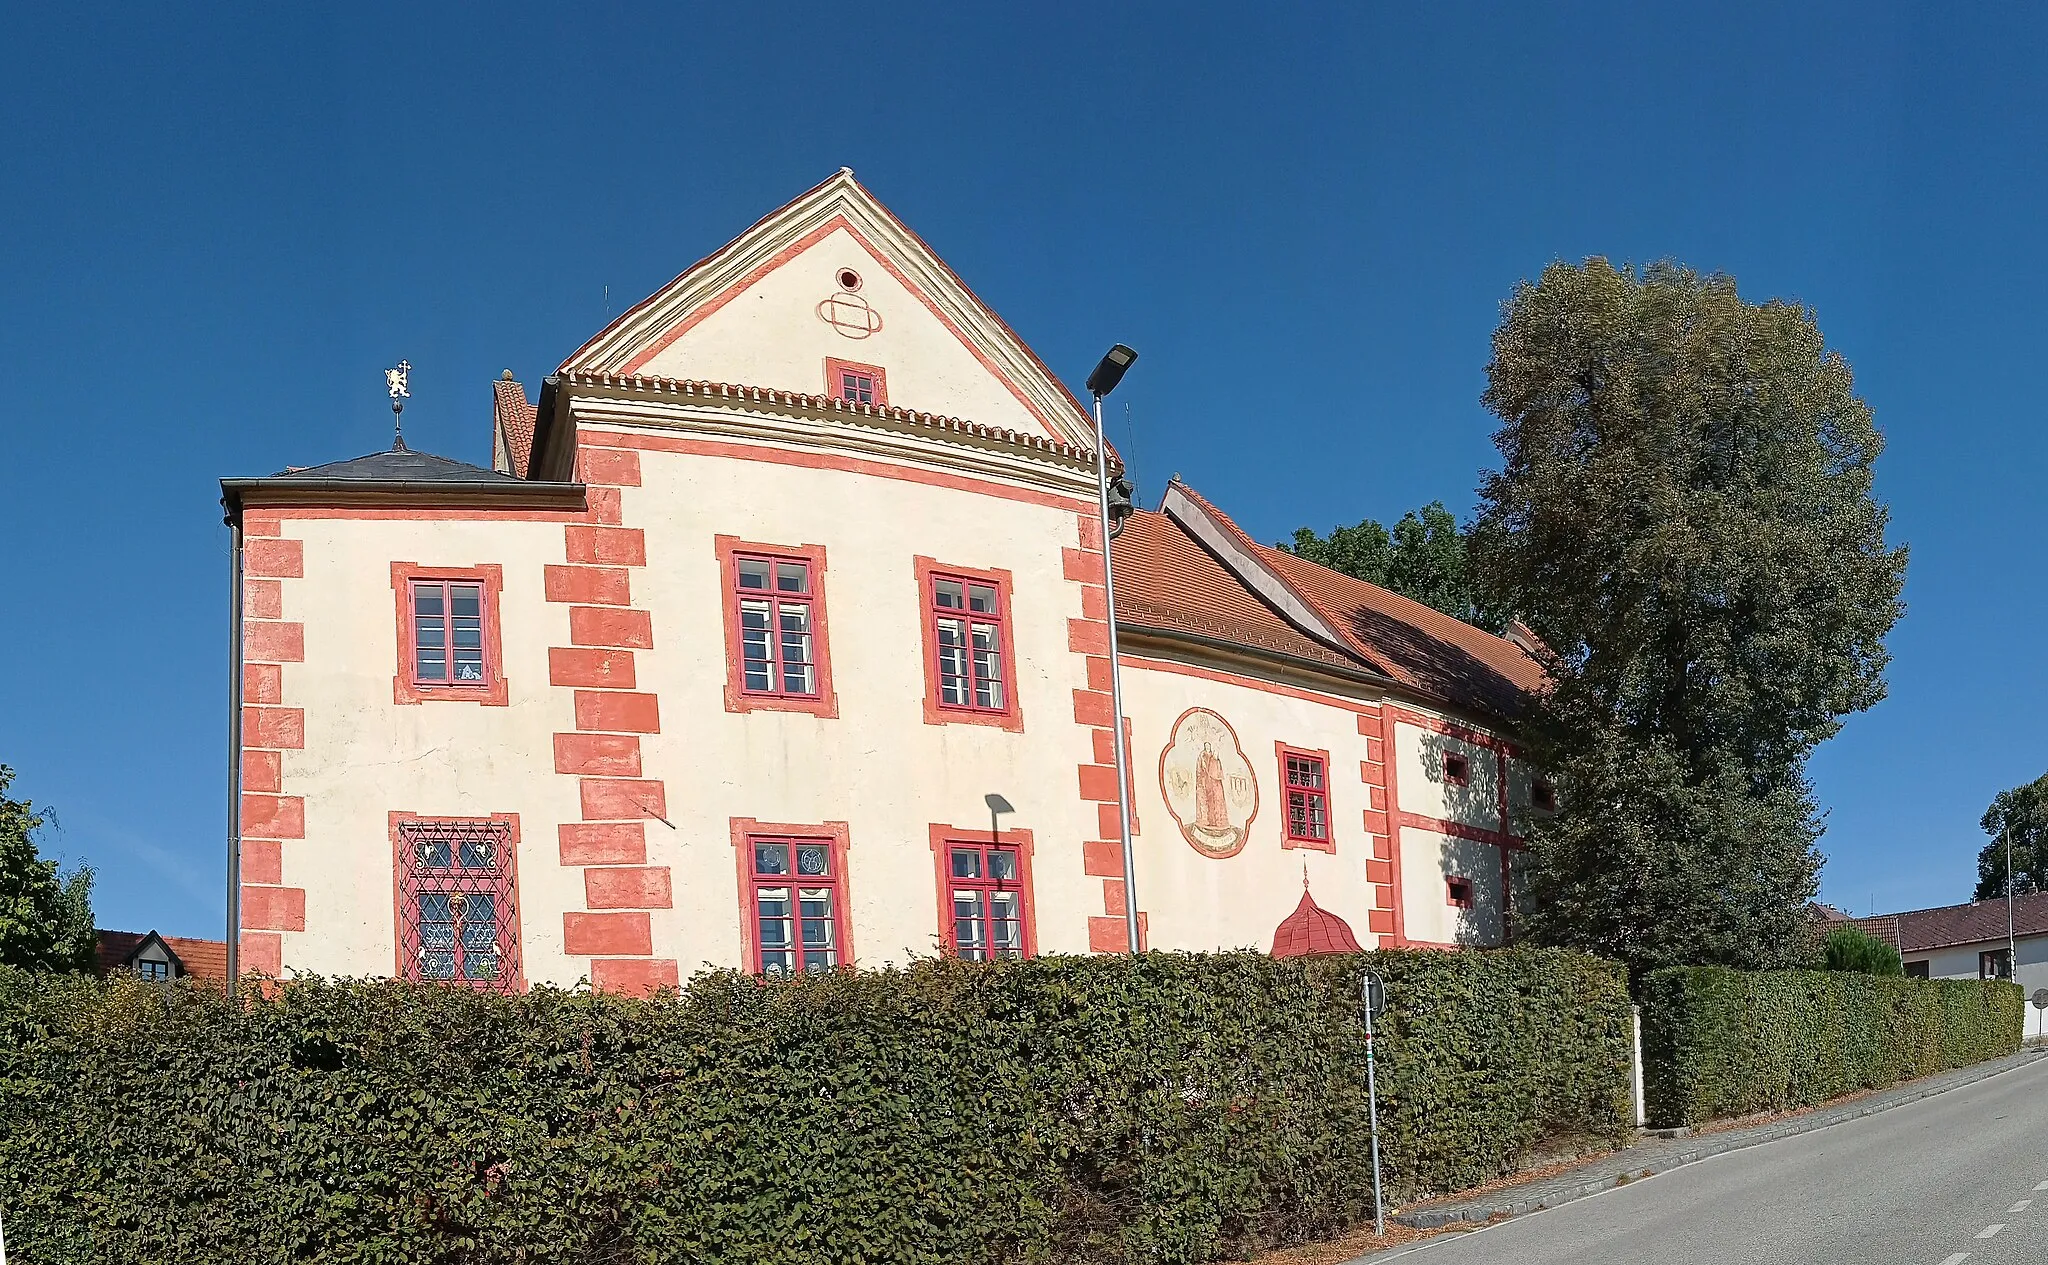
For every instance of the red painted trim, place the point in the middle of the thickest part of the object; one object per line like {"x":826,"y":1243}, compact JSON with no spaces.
{"x":495,"y":690}
{"x":744,"y":831}
{"x":396,"y":819}
{"x":369,"y":513}
{"x":1288,"y":839}
{"x":1459,"y":830}
{"x":1457,"y":768}
{"x":1452,"y":885}
{"x":738,"y":698}
{"x":1390,"y":768}
{"x":1011,"y":715}
{"x":829,"y":461}
{"x":834,"y":383}
{"x":1449,"y":729}
{"x":1146,"y":664}
{"x":1019,"y":839}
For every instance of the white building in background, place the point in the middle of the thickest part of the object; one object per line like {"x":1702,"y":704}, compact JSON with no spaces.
{"x":787,"y":571}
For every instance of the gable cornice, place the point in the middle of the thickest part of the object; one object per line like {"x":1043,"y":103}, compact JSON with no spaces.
{"x":839,"y":201}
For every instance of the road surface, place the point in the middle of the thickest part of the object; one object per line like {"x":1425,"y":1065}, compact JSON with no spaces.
{"x":1959,"y":1177}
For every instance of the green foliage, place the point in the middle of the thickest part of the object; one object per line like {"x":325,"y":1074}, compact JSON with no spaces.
{"x":1684,"y":515}
{"x":2024,"y":811}
{"x":1720,"y":1043}
{"x":45,"y":916}
{"x":1168,"y":1107}
{"x":1425,"y":557}
{"x":1854,"y":949}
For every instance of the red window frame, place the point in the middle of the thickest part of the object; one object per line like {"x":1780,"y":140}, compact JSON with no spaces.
{"x":739,"y":696}
{"x":1017,"y":844}
{"x":1458,"y":891}
{"x":747,"y":834}
{"x":837,"y":372}
{"x":1457,"y":768}
{"x":1312,"y":798}
{"x":938,"y":710}
{"x":459,"y":859}
{"x":406,"y":686}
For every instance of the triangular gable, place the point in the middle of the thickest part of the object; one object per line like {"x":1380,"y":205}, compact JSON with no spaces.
{"x":774,"y":308}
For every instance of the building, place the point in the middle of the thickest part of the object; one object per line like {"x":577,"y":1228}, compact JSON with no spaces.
{"x":1969,"y":941}
{"x":157,"y":957}
{"x":787,"y":575}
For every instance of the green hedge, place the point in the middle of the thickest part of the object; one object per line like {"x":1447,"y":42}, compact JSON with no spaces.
{"x":1164,"y":1108}
{"x":1720,"y":1043}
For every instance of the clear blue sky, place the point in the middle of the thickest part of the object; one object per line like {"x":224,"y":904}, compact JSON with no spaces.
{"x":217,"y":226}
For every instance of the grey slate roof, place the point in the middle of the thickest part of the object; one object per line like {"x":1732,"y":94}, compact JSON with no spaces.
{"x":401,"y":465}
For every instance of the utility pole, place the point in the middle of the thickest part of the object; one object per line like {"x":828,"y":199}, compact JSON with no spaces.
{"x":2012,"y":955}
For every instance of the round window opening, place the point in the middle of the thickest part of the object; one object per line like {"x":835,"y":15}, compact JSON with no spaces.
{"x":849,"y":279}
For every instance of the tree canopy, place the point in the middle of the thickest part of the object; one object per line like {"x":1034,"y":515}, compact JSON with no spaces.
{"x":2023,"y":810}
{"x":1426,"y":556}
{"x":45,"y":917}
{"x":1684,"y":515}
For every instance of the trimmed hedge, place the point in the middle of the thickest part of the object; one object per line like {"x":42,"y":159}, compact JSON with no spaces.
{"x":1171,"y":1107}
{"x":1720,"y":1043}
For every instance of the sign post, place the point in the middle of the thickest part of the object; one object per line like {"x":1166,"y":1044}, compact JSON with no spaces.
{"x":2040,"y":1000}
{"x":1375,"y":998}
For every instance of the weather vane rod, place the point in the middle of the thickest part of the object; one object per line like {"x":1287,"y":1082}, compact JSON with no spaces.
{"x":394,"y":382}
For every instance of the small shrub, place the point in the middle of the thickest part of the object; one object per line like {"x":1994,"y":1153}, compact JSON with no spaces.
{"x":1854,"y":949}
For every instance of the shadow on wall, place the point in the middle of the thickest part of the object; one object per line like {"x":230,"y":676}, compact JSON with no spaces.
{"x":1478,"y":866}
{"x":1475,"y":798}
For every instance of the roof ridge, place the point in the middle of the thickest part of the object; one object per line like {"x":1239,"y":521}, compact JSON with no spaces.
{"x":1399,"y":598}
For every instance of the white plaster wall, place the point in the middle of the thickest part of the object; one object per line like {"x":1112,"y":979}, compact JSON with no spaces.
{"x":1419,"y":754}
{"x":366,"y":756}
{"x":1193,"y":901}
{"x":878,"y":766}
{"x":2030,"y":964}
{"x":1427,"y":859}
{"x":771,"y":335}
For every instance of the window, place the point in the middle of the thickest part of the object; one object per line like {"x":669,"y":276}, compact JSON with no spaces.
{"x":1305,"y":774}
{"x":1916,"y":970}
{"x":985,"y":899}
{"x":797,"y":903}
{"x":1543,"y":794}
{"x":1458,"y":891}
{"x":856,"y":384}
{"x":775,"y":620}
{"x":448,"y":634}
{"x":457,"y":920}
{"x":968,"y":654}
{"x":1457,"y":769}
{"x":1994,"y":964}
{"x":152,"y":970}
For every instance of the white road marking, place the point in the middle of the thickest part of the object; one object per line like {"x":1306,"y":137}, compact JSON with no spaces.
{"x":2021,"y":1206}
{"x":1990,"y":1231}
{"x":1957,"y":1259}
{"x":2041,"y":1186}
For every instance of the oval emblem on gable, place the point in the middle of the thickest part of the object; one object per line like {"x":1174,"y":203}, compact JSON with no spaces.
{"x":850,"y":314}
{"x":1208,"y":784}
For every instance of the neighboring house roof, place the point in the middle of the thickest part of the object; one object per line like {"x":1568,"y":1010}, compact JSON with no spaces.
{"x":1979,"y":922}
{"x":400,"y":475}
{"x":400,"y":465}
{"x":512,"y":413}
{"x":201,"y":959}
{"x":1235,"y":590}
{"x":1312,"y":929}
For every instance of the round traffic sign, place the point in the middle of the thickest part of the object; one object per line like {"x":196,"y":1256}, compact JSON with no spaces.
{"x":1374,"y":994}
{"x":2041,"y":999}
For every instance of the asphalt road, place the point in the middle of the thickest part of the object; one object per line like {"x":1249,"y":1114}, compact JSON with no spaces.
{"x":1961,"y":1176}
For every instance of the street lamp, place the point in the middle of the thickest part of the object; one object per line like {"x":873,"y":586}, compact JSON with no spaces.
{"x":1108,"y":373}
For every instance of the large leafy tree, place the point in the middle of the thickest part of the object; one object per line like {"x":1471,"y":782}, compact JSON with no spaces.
{"x":1684,"y":516}
{"x":45,"y":916}
{"x":2023,"y":810}
{"x":1426,"y":556}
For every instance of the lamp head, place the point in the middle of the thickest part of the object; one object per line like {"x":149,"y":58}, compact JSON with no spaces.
{"x":1110,"y":370}
{"x":997,"y":804}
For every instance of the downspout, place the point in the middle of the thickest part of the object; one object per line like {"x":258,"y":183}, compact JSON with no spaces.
{"x":234,"y":916}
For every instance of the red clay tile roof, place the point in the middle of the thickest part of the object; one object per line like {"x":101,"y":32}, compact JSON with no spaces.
{"x":202,"y":959}
{"x":1312,"y":929}
{"x":514,"y":415}
{"x":1979,"y":922}
{"x":1169,"y":580}
{"x":1165,"y":579}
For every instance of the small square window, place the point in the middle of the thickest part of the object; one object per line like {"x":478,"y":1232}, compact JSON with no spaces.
{"x":1543,"y":794}
{"x":1994,"y":964}
{"x":1458,"y":891}
{"x":448,"y":634}
{"x":1457,"y":769}
{"x":1916,"y":970}
{"x":153,"y":970}
{"x":855,"y":383}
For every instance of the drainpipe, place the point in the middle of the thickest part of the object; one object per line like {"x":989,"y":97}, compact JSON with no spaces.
{"x":234,"y":919}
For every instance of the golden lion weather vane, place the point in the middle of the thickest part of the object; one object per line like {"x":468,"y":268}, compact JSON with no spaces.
{"x":395,"y":384}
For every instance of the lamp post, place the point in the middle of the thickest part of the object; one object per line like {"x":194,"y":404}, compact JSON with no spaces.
{"x":1108,"y":372}
{"x":2012,"y":955}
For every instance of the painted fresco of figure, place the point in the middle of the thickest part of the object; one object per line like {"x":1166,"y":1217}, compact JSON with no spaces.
{"x":1211,"y":812}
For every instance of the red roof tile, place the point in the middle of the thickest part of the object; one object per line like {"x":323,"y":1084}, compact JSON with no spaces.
{"x":1979,"y":922}
{"x":202,"y":959}
{"x":1312,"y":929}
{"x":513,"y":415}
